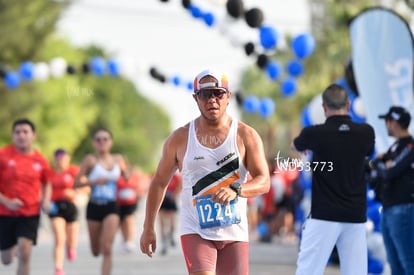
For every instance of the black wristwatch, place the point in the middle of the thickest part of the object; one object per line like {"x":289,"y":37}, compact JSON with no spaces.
{"x":236,"y":187}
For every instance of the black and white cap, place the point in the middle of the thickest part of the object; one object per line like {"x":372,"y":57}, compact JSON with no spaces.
{"x":399,"y":114}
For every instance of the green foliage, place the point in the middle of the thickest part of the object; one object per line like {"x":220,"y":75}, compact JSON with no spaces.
{"x":138,"y":127}
{"x":24,"y":25}
{"x":68,"y":109}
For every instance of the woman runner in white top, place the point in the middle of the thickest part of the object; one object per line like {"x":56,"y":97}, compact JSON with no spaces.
{"x":101,"y":173}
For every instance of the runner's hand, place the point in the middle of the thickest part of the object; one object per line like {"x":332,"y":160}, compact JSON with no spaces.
{"x":224,"y":195}
{"x":14,"y":204}
{"x":148,"y":242}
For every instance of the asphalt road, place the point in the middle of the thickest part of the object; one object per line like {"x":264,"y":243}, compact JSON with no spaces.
{"x":265,"y":258}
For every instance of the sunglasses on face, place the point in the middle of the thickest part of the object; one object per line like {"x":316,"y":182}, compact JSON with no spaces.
{"x":207,"y":94}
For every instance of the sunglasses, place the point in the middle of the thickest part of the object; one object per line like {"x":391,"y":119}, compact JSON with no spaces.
{"x":99,"y":139}
{"x":207,"y":94}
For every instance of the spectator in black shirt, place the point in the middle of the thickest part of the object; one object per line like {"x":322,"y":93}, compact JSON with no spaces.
{"x":395,"y":170}
{"x":338,"y":206}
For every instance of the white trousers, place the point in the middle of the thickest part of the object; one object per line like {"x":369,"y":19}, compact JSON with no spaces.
{"x":318,"y":240}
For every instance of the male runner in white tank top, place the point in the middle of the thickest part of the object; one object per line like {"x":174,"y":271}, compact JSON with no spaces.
{"x":214,"y":153}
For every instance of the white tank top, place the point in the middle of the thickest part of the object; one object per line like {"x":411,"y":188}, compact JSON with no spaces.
{"x":204,"y":170}
{"x":105,"y":192}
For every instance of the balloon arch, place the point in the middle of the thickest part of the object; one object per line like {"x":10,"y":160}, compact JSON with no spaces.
{"x":301,"y":47}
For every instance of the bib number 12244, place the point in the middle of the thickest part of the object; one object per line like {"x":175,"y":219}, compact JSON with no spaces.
{"x":213,"y":214}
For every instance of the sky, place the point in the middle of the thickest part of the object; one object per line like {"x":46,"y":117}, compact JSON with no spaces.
{"x":150,"y":33}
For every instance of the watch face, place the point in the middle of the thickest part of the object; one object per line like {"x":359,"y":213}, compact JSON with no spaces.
{"x":236,"y":187}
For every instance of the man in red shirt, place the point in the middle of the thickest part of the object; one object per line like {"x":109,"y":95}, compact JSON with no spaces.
{"x":23,"y":175}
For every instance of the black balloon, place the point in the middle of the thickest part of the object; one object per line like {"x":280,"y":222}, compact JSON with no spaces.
{"x":262,"y":61}
{"x":249,"y":48}
{"x":153,"y":72}
{"x":162,"y":78}
{"x":239,"y":98}
{"x":235,"y":8}
{"x":3,"y":71}
{"x":86,"y":68}
{"x":186,"y":3}
{"x":254,"y":17}
{"x":157,"y":75}
{"x":70,"y":69}
{"x":350,"y":77}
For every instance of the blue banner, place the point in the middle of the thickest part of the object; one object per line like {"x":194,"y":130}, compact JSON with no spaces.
{"x":382,"y":58}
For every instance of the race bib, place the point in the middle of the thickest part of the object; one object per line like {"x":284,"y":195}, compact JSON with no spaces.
{"x":213,"y":214}
{"x":105,"y":192}
{"x":127,"y":194}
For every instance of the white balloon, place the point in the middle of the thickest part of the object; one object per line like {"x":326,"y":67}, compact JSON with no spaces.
{"x":316,"y":113}
{"x":387,"y":269}
{"x":235,"y":40}
{"x":305,"y":204}
{"x":223,"y":25}
{"x":41,"y":71}
{"x":278,"y":186}
{"x":369,"y":226}
{"x":57,"y":67}
{"x":358,"y":107}
{"x":376,"y":246}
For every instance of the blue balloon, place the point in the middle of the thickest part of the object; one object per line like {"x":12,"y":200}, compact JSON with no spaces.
{"x":12,"y":80}
{"x":262,"y":229}
{"x":268,"y":37}
{"x":342,"y":82}
{"x":273,"y":70}
{"x":375,"y":266}
{"x":27,"y":70}
{"x":113,"y":67}
{"x":267,"y":106}
{"x":303,"y":45}
{"x":190,"y":86}
{"x":374,"y":214}
{"x":370,"y":196}
{"x":300,"y":215}
{"x":176,"y":80}
{"x":195,"y":11}
{"x":305,"y":180}
{"x":251,"y":104}
{"x":209,"y":19}
{"x":288,"y":87}
{"x":98,"y":66}
{"x":354,"y":115}
{"x":305,"y":118}
{"x":294,"y":68}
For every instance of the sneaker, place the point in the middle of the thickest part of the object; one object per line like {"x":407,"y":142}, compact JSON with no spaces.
{"x":71,"y":254}
{"x":59,"y":271}
{"x":172,"y":242}
{"x":130,"y":247}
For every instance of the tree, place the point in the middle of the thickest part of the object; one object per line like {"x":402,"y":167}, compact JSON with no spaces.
{"x":25,"y":25}
{"x":67,"y":109}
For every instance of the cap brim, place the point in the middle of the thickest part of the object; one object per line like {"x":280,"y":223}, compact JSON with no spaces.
{"x":382,"y":116}
{"x":212,"y":88}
